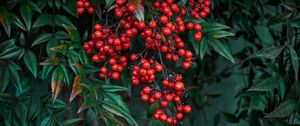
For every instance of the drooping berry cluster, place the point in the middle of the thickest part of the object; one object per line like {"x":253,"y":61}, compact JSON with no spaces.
{"x":161,"y":35}
{"x":83,"y":5}
{"x":200,"y":8}
{"x":145,"y":72}
{"x":172,"y":93}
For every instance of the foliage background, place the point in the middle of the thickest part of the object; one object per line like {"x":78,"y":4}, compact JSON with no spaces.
{"x":43,"y":37}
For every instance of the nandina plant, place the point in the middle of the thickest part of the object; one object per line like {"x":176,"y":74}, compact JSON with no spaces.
{"x":86,"y":53}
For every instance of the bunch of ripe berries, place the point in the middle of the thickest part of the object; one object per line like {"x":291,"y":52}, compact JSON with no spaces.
{"x":110,"y":45}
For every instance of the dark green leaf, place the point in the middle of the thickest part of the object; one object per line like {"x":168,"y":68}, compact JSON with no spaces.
{"x":264,"y":34}
{"x":295,"y":63}
{"x":231,"y":118}
{"x":14,"y":52}
{"x":26,"y":14}
{"x":220,"y":34}
{"x":285,"y":109}
{"x":72,"y":122}
{"x":112,"y":88}
{"x":109,"y":3}
{"x":203,"y":46}
{"x":31,"y":62}
{"x":181,"y":3}
{"x":265,"y":85}
{"x":42,"y":20}
{"x":280,"y":18}
{"x":210,"y":27}
{"x":222,"y":49}
{"x":295,"y":22}
{"x":41,"y":39}
{"x":270,"y":52}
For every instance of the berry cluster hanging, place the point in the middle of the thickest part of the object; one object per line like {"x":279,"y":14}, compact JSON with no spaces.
{"x":160,"y":35}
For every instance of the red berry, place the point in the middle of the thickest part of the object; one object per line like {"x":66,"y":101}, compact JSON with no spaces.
{"x":79,"y":4}
{"x":197,"y":27}
{"x":144,"y":97}
{"x":96,"y":58}
{"x":197,"y":36}
{"x":131,"y":8}
{"x":169,"y":120}
{"x":146,"y":89}
{"x":164,"y":103}
{"x":115,"y":75}
{"x":158,"y":68}
{"x":163,"y":19}
{"x":166,"y":31}
{"x":179,"y":116}
{"x":157,"y":95}
{"x":103,"y":70}
{"x":163,"y":117}
{"x":90,"y":10}
{"x":187,"y":109}
{"x":80,"y":10}
{"x":86,"y":4}
{"x":133,"y":57}
{"x":152,"y":24}
{"x":179,"y":86}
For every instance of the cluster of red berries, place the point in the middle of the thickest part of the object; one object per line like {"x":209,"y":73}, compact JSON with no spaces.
{"x":200,"y":8}
{"x":123,"y":8}
{"x":145,"y":71}
{"x":106,"y":46}
{"x":83,"y":5}
{"x":160,"y":33}
{"x":173,"y":91}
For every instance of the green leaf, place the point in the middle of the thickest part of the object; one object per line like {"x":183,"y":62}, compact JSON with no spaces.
{"x":295,"y":63}
{"x":42,"y":20}
{"x":198,"y":21}
{"x":193,"y":42}
{"x":231,"y":118}
{"x":270,"y":52}
{"x":14,"y":52}
{"x":285,"y":109}
{"x":217,"y":118}
{"x":34,"y":6}
{"x":45,"y":71}
{"x":31,"y":62}
{"x":264,"y":34}
{"x":220,"y":34}
{"x":41,"y":39}
{"x":72,"y":122}
{"x":57,"y":82}
{"x":26,"y":14}
{"x":16,"y":78}
{"x":5,"y":79}
{"x":265,"y":85}
{"x":295,"y":22}
{"x":281,"y":88}
{"x":210,"y":27}
{"x":222,"y":49}
{"x":8,"y":99}
{"x":77,"y":88}
{"x":139,"y":13}
{"x":112,"y":88}
{"x":280,"y":18}
{"x":46,"y":121}
{"x":109,"y":3}
{"x":181,"y":3}
{"x":203,"y":47}
{"x":114,"y":104}
{"x":63,"y":21}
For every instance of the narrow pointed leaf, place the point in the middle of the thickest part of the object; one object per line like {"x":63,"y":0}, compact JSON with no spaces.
{"x":295,"y":63}
{"x":285,"y":109}
{"x":31,"y":62}
{"x":222,"y":49}
{"x":77,"y":88}
{"x":41,"y":39}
